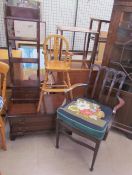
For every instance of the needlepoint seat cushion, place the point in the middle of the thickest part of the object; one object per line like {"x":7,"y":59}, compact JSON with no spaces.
{"x":86,"y":115}
{"x":1,"y":103}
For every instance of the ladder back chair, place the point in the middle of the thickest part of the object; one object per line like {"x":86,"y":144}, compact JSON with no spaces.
{"x":91,"y":116}
{"x":3,"y":76}
{"x":57,"y":59}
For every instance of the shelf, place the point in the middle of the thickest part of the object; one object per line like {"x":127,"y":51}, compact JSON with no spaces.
{"x":76,"y":29}
{"x":22,"y":12}
{"x":101,"y":39}
{"x":18,"y":100}
{"x":22,"y":19}
{"x":125,"y":28}
{"x":26,"y":84}
{"x":22,"y":39}
{"x":122,"y":45}
{"x":24,"y":60}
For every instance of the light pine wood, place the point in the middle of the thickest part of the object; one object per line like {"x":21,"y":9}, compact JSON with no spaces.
{"x":18,"y":67}
{"x":3,"y":71}
{"x":57,"y":59}
{"x":2,"y":133}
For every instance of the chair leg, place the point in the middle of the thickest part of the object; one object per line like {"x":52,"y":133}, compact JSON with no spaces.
{"x":40,"y":101}
{"x":42,"y":91}
{"x":105,"y":136}
{"x":57,"y":133}
{"x":95,"y":155}
{"x":2,"y":132}
{"x":69,"y":84}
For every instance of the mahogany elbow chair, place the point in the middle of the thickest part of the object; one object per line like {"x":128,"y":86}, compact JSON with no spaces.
{"x":91,"y":117}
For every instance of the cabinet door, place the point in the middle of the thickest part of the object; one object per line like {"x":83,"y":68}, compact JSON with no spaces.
{"x":118,"y":54}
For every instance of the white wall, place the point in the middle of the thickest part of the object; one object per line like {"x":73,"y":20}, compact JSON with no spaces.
{"x":2,"y":28}
{"x":62,"y":12}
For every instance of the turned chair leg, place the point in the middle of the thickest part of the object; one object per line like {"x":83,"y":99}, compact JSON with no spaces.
{"x":2,"y":132}
{"x":69,"y":84}
{"x":95,"y":155}
{"x":57,"y":133}
{"x":42,"y":91}
{"x":106,"y":135}
{"x":3,"y":139}
{"x":40,"y":101}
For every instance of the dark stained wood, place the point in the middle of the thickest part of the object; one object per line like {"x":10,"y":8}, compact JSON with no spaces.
{"x":25,"y":93}
{"x":119,"y":34}
{"x":41,"y":121}
{"x":111,"y":77}
{"x":86,"y":31}
{"x":13,"y":13}
{"x":22,"y":12}
{"x":97,"y":38}
{"x":24,"y":119}
{"x":22,"y":39}
{"x":24,"y":60}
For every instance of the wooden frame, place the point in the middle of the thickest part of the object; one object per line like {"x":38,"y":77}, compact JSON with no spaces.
{"x":111,"y":76}
{"x":53,"y":57}
{"x":118,"y":36}
{"x":86,"y":31}
{"x":13,"y":13}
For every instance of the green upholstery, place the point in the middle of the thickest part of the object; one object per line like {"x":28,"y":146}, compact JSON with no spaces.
{"x":92,"y":127}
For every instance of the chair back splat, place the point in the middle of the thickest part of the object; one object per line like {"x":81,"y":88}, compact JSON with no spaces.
{"x":56,"y":47}
{"x":112,"y":80}
{"x":57,"y":60}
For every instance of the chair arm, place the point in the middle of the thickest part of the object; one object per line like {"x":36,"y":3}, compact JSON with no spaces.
{"x":75,"y":86}
{"x":119,"y":105}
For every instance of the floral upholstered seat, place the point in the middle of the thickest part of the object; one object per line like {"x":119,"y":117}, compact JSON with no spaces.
{"x":91,"y":116}
{"x":1,"y":103}
{"x":88,"y":115}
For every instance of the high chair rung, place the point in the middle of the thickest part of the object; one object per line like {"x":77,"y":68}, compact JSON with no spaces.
{"x":55,"y":90}
{"x":57,"y":85}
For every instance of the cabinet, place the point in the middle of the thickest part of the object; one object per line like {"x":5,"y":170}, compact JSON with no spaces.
{"x":118,"y":54}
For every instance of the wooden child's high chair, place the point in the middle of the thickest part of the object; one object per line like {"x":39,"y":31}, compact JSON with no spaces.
{"x":57,"y":59}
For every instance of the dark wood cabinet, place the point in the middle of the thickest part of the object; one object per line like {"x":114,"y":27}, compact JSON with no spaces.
{"x":118,"y":54}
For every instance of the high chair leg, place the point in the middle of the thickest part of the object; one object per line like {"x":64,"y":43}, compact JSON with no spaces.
{"x":2,"y":133}
{"x":40,"y":101}
{"x":42,"y":91}
{"x":69,"y":84}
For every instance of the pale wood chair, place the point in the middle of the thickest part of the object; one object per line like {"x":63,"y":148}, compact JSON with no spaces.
{"x":4,"y":57}
{"x":3,"y":72}
{"x":57,"y":59}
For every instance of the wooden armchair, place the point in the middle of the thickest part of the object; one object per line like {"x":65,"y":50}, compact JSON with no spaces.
{"x":57,"y":59}
{"x":3,"y":72}
{"x":91,"y":116}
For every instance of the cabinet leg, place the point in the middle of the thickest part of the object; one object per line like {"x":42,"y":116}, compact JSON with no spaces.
{"x":12,"y":137}
{"x":129,"y":136}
